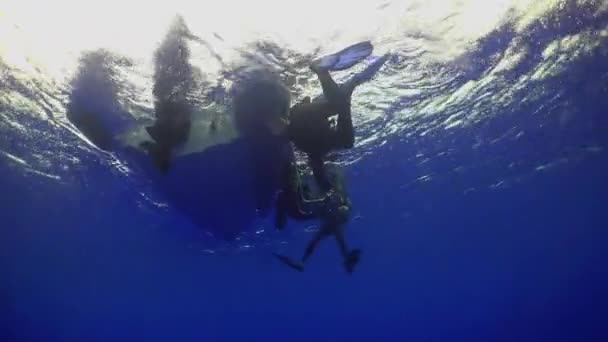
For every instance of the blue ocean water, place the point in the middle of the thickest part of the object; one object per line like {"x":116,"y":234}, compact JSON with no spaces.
{"x":478,"y":184}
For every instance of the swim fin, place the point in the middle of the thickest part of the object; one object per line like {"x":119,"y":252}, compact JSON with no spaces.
{"x":287,"y":261}
{"x":352,"y":260}
{"x":345,"y":58}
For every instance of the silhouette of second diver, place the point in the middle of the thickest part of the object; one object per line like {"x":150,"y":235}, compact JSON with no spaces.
{"x":309,"y":126}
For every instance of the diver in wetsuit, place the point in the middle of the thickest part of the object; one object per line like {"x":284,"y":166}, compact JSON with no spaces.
{"x":311,"y":131}
{"x":334,"y":210}
{"x":310,"y":127}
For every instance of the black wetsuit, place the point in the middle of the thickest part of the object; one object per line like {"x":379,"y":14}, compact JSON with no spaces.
{"x":310,"y":128}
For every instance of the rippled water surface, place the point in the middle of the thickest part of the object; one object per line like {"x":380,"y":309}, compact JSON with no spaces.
{"x":480,"y":103}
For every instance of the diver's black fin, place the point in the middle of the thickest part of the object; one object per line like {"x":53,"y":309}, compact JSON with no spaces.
{"x":287,"y":261}
{"x":352,"y":260}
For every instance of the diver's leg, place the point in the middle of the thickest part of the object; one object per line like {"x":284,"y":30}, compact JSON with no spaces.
{"x":287,"y":261}
{"x":331,"y":90}
{"x":350,"y":257}
{"x":345,"y":133}
{"x":364,"y":75}
{"x":339,"y":235}
{"x":340,"y":99}
{"x":312,"y":245}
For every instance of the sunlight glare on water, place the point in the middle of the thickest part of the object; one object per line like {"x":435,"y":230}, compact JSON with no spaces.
{"x":455,"y":63}
{"x":54,"y":33}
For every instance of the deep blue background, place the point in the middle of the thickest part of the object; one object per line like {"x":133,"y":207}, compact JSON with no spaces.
{"x":489,"y":247}
{"x":520,"y":263}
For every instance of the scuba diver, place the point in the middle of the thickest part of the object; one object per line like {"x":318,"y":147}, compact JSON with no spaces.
{"x":311,"y":130}
{"x":333,"y":209}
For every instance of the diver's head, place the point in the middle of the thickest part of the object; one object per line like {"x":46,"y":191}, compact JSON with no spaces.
{"x":261,"y":105}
